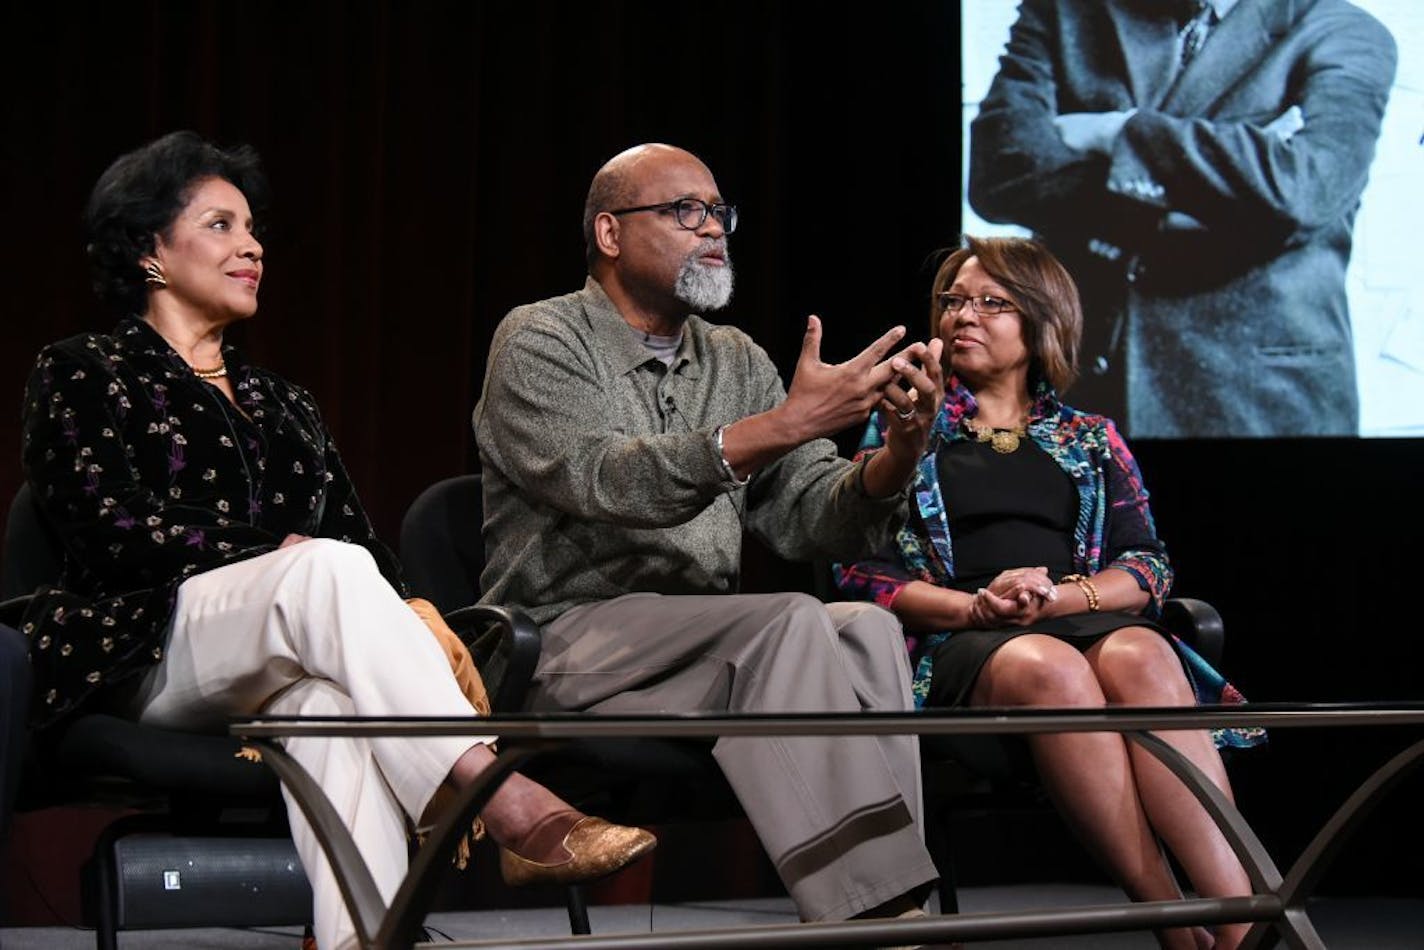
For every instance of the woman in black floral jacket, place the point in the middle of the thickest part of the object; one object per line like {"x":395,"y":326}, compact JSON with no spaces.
{"x":217,"y":559}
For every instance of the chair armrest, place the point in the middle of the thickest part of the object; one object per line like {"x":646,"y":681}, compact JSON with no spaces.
{"x":12,"y":611}
{"x":505,"y":645}
{"x":1198,"y":624}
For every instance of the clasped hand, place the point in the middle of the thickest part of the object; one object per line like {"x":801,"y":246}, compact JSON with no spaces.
{"x":1015,"y":598}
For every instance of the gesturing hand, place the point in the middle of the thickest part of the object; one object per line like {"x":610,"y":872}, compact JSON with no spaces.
{"x":910,"y":414}
{"x":825,"y":399}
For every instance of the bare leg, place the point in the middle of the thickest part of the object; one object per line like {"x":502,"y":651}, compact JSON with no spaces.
{"x":1089,"y":775}
{"x":1138,"y":667}
{"x":519,"y":809}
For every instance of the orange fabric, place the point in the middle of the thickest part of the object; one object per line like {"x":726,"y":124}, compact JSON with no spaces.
{"x":470,"y":683}
{"x":461,"y":663}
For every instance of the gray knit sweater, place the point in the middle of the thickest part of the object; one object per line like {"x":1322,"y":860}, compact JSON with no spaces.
{"x":601,"y":473}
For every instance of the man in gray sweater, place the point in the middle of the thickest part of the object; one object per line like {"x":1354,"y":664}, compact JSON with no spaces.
{"x":627,"y":443}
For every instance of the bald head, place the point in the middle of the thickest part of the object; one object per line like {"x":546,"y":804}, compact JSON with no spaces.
{"x":655,"y":268}
{"x":624,"y":178}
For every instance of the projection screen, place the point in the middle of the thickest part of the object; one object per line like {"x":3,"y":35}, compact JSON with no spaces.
{"x":1228,"y":290}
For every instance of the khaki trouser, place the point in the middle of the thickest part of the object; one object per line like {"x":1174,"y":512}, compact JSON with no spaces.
{"x":839,"y":816}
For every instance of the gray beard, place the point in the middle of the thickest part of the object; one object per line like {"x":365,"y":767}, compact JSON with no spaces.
{"x":701,"y":287}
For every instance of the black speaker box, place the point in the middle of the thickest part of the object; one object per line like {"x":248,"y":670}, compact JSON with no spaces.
{"x":163,"y":881}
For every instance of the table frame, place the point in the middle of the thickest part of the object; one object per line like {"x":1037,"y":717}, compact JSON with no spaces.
{"x":1276,"y":906}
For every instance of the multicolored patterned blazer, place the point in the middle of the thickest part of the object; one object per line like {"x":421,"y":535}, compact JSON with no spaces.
{"x":1114,"y":528}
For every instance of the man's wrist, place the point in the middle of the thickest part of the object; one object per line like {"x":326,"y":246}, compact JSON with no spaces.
{"x":786,"y":427}
{"x":753,"y":442}
{"x":727,"y":469}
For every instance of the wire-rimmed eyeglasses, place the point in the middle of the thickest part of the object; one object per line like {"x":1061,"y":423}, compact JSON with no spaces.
{"x":691,"y":213}
{"x":982,"y":304}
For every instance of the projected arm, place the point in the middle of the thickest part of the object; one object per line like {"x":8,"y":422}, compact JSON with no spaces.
{"x":1301,"y":170}
{"x":1132,"y":173}
{"x":1020,"y":168}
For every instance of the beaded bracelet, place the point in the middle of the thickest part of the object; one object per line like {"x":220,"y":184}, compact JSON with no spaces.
{"x":1089,"y":589}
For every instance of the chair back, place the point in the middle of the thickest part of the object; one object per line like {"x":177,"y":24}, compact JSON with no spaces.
{"x":640,"y":780}
{"x":100,"y":745}
{"x":441,"y":544}
{"x":179,"y":783}
{"x":33,"y":553}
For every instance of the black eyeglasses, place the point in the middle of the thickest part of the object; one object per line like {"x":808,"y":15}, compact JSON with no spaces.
{"x":982,"y":304}
{"x":691,"y":213}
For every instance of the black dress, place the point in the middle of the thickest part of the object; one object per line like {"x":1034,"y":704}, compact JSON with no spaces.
{"x":1008,"y":510}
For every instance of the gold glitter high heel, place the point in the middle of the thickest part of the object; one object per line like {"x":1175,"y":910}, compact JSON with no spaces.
{"x":594,"y":847}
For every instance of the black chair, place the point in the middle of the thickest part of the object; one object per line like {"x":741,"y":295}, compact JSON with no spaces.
{"x":647,"y":781}
{"x":634,"y":781}
{"x":208,"y":846}
{"x":443,"y":555}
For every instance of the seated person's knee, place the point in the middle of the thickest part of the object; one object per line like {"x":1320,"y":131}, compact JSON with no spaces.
{"x":1040,"y":671}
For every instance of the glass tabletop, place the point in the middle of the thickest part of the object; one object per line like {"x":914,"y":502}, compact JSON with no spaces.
{"x":929,"y":721}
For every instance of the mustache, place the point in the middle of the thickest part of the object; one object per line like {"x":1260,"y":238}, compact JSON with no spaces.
{"x":708,"y":245}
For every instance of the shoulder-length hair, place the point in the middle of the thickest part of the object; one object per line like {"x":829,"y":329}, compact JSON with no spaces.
{"x":1039,"y":286}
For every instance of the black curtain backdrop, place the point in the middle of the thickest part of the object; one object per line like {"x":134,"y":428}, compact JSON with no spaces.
{"x":429,"y":163}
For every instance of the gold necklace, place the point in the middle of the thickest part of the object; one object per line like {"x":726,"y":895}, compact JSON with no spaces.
{"x":1002,"y":441}
{"x":215,"y":372}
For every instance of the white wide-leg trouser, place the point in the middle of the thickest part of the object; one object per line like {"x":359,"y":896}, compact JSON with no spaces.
{"x":314,"y":629}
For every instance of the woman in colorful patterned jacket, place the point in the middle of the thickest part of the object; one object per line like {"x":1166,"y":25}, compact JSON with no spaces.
{"x":217,"y":560}
{"x":1030,"y":574}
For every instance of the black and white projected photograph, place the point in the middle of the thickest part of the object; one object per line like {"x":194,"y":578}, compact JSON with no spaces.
{"x":1235,"y":185}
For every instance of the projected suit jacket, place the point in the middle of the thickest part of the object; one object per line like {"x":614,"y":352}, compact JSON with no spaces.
{"x":1211,"y":253}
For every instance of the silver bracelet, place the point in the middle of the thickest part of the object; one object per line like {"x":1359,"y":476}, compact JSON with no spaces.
{"x":730,"y":472}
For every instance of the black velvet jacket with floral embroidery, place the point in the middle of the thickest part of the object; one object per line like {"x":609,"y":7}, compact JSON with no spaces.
{"x":150,"y":476}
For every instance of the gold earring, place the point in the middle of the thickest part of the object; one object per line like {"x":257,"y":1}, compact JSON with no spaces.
{"x":155,"y":278}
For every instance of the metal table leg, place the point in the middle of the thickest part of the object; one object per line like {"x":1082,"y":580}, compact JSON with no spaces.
{"x":1313,"y":862}
{"x":377,"y":926}
{"x":1259,"y":866}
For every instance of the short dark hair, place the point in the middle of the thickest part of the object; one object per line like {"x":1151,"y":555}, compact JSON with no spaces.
{"x":1043,"y":291}
{"x":141,"y":194}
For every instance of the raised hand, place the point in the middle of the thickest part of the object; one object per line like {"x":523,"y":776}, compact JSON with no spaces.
{"x":910,"y":413}
{"x":824,"y":398}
